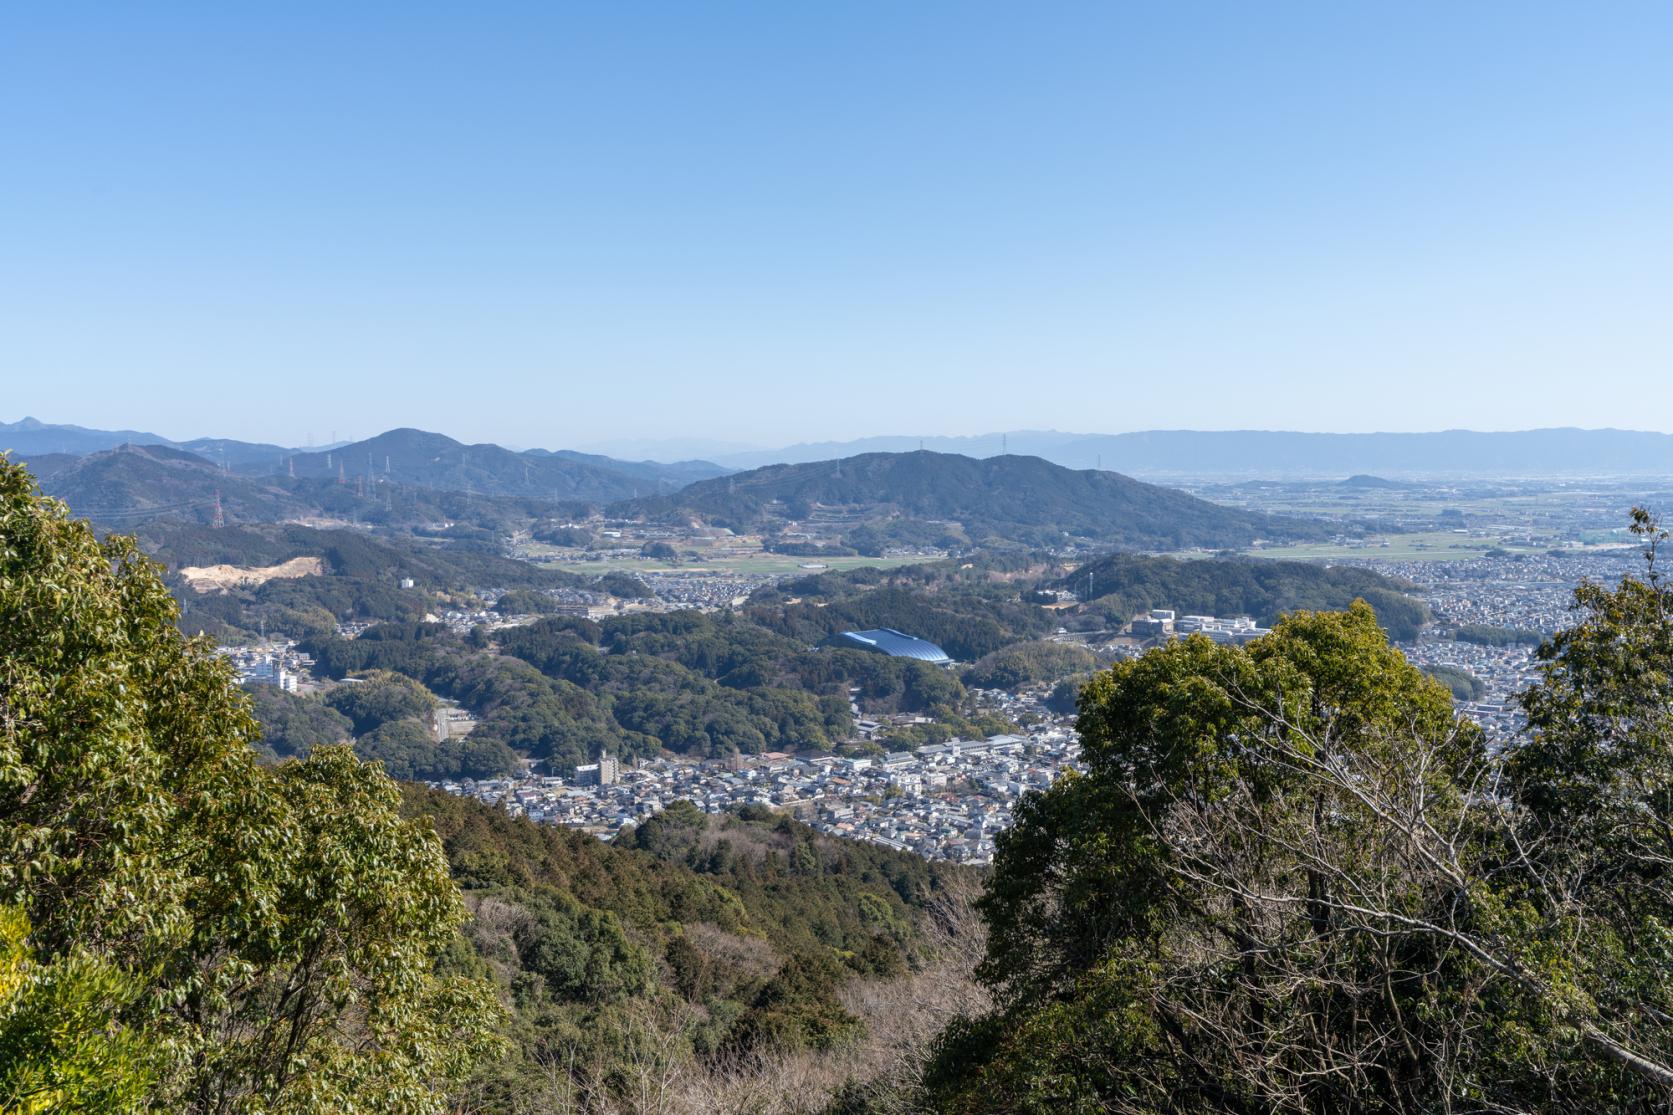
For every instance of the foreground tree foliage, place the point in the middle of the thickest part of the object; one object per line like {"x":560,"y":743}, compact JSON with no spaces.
{"x":1290,"y":880}
{"x":180,"y":927}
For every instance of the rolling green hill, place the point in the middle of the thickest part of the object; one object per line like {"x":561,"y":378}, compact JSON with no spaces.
{"x":1120,"y":585}
{"x":938,"y":498}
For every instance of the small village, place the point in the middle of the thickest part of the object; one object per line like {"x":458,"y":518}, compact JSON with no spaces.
{"x":942,"y":801}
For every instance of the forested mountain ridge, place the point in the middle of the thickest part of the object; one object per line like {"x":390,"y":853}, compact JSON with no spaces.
{"x":135,"y":486}
{"x":945,"y":496}
{"x":407,"y":456}
{"x":134,"y":483}
{"x":431,"y":460}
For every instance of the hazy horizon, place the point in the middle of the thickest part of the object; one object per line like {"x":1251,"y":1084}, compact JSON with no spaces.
{"x":627,"y":446}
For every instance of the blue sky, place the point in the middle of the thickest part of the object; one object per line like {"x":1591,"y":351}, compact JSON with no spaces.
{"x":553,"y":224}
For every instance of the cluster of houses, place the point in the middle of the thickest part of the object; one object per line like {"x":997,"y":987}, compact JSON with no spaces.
{"x":943,"y":800}
{"x":280,"y":665}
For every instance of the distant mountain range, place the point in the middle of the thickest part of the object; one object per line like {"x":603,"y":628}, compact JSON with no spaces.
{"x":134,"y":485}
{"x":1548,"y":452}
{"x":923,"y":498}
{"x":1176,"y":453}
{"x":866,"y":504}
{"x":430,"y":460}
{"x":413,"y":457}
{"x":33,"y":438}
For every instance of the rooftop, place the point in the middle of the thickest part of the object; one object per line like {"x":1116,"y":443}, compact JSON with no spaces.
{"x":898,"y":644}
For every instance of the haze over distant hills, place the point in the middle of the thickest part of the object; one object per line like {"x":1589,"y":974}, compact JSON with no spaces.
{"x":413,"y":457}
{"x":666,"y":463}
{"x":435,"y":461}
{"x":33,"y":438}
{"x":1545,"y":452}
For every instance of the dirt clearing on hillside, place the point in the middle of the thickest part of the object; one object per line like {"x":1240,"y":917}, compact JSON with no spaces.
{"x":219,"y":578}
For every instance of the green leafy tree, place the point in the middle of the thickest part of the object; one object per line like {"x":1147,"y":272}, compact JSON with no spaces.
{"x":267,"y":936}
{"x":59,"y":1050}
{"x":1290,"y":880}
{"x":379,"y":697}
{"x":292,"y":725}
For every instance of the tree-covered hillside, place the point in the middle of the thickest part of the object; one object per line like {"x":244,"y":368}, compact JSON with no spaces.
{"x":125,"y":486}
{"x":968,"y":608}
{"x":1122,"y":585}
{"x":361,"y":577}
{"x":944,"y":497}
{"x":563,"y":690}
{"x":718,"y":940}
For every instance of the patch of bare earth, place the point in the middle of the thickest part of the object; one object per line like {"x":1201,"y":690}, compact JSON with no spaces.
{"x":219,"y":578}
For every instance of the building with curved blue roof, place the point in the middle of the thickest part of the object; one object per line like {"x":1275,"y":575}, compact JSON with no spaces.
{"x":898,"y":644}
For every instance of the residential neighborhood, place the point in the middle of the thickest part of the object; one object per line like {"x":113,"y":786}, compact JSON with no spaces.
{"x":942,"y":801}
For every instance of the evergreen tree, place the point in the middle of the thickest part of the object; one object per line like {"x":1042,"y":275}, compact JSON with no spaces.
{"x":267,"y":937}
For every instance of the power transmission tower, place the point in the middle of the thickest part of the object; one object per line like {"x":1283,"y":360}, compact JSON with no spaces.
{"x":219,"y":519}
